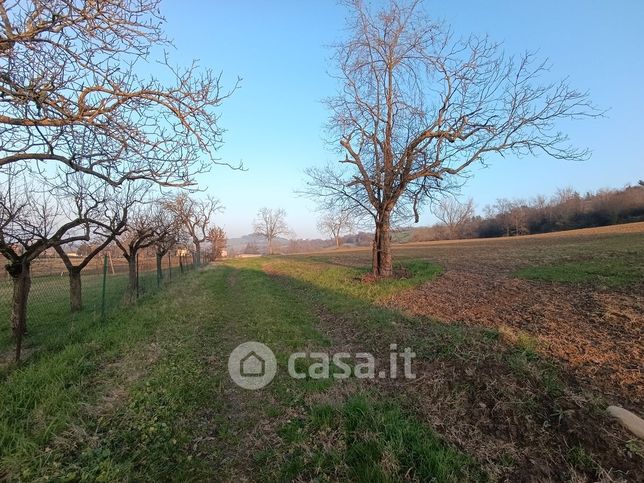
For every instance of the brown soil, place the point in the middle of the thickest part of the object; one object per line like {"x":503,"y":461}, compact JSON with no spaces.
{"x":476,"y":402}
{"x":598,"y":335}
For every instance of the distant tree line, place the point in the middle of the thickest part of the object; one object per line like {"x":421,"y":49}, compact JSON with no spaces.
{"x":565,"y":210}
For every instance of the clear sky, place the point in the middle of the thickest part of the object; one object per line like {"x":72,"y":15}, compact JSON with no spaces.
{"x":280,"y":49}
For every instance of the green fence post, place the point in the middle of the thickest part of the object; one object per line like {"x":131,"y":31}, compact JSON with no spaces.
{"x":104,"y":283}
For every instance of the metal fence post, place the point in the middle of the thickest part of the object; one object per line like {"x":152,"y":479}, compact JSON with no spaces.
{"x":104,"y":283}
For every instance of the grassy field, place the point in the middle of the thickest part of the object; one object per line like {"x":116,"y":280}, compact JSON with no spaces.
{"x":145,"y":394}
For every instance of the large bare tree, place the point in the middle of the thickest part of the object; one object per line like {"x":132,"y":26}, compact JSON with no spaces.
{"x":270,"y":224}
{"x":72,"y":93}
{"x":418,"y":106}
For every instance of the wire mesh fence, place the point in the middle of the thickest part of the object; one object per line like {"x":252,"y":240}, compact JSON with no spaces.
{"x":104,"y":288}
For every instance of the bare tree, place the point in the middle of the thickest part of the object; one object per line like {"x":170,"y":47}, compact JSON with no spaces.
{"x":453,"y":214}
{"x":70,"y":94}
{"x":519,"y":217}
{"x":270,"y":224}
{"x":502,"y":210}
{"x":103,"y":233}
{"x":418,"y":106}
{"x":336,"y":223}
{"x":195,"y":215}
{"x":107,"y":221}
{"x":33,"y":218}
{"x":251,"y":249}
{"x":169,"y":235}
{"x":217,"y":238}
{"x":142,"y":232}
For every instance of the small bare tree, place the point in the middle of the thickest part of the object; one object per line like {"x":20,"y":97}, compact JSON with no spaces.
{"x":270,"y":224}
{"x":336,"y":223}
{"x":103,"y":233}
{"x":106,"y":222}
{"x":195,"y":215}
{"x":417,"y":107}
{"x":453,"y":214}
{"x":142,"y":232}
{"x":169,"y":235}
{"x":217,"y":238}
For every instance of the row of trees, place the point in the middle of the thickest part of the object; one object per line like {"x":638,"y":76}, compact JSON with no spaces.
{"x":90,"y":143}
{"x":565,"y":210}
{"x":129,"y":220}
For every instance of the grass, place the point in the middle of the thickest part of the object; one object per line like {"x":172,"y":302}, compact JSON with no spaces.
{"x":131,"y":396}
{"x":350,"y":280}
{"x":380,"y":443}
{"x":49,"y":302}
{"x":76,"y":363}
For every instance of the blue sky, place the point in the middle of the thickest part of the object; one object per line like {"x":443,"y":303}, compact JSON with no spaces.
{"x":274,"y":122}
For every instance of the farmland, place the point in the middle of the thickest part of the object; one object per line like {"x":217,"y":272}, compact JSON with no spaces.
{"x":521,"y":344}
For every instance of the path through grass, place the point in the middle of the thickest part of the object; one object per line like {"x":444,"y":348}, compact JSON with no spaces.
{"x":147,"y":390}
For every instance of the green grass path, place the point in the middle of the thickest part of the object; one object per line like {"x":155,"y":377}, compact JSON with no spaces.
{"x":145,"y":395}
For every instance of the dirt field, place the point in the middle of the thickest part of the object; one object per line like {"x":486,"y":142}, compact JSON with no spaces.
{"x":589,"y":331}
{"x":596,"y":331}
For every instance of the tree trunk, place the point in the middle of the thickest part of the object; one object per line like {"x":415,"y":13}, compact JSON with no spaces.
{"x":159,"y":267}
{"x":130,"y":291}
{"x":197,"y":261}
{"x":21,"y":276}
{"x":381,"y":254}
{"x":270,"y":246}
{"x":75,"y":290}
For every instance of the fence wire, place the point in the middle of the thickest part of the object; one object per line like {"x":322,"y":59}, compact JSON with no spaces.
{"x":104,"y":284}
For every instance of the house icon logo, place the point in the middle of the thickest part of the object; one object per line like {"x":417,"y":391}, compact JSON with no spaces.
{"x":252,"y":365}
